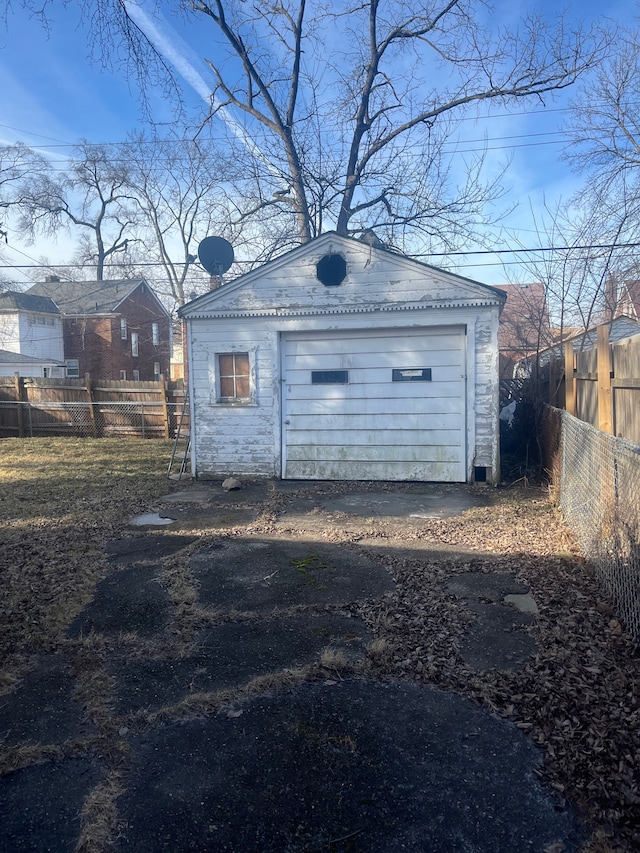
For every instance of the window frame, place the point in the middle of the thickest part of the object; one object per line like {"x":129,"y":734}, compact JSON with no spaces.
{"x":124,"y":331}
{"x":217,"y":397}
{"x":67,"y":362}
{"x":155,"y":334}
{"x":135,"y":344}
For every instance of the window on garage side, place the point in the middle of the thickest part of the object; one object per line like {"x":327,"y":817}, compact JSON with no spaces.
{"x":234,"y":377}
{"x":329,"y":377}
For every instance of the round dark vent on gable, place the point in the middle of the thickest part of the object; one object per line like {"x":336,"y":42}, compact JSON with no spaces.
{"x":331,"y":270}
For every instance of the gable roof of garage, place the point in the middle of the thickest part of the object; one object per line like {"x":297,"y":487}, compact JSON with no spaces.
{"x":377,"y":279}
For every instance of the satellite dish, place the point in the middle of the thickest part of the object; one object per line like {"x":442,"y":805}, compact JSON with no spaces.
{"x":216,"y":255}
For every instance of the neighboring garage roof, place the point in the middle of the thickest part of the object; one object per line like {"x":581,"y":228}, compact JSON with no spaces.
{"x":12,"y":300}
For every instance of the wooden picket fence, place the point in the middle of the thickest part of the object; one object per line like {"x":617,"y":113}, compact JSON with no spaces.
{"x":86,"y":407}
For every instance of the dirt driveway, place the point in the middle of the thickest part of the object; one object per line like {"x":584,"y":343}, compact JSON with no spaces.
{"x":341,"y":667}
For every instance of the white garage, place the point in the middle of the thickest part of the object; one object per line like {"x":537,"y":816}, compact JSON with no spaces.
{"x":340,"y":361}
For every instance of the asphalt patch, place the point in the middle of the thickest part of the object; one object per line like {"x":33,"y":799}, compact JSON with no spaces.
{"x":151,"y":546}
{"x":266,"y":575}
{"x":485,"y":586}
{"x":233,"y":653}
{"x":496,"y":640}
{"x":40,"y":805}
{"x":362,"y":510}
{"x":404,"y":505}
{"x":40,"y":709}
{"x":255,"y":491}
{"x":209,"y":516}
{"x":129,"y":600}
{"x":353,"y":766}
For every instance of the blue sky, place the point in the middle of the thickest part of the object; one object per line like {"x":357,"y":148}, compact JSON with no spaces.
{"x":54,"y":94}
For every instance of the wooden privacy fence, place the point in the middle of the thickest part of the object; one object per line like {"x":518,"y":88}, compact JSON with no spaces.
{"x":90,"y":408}
{"x":601,"y":386}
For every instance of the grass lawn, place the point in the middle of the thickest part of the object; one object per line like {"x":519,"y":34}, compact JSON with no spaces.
{"x":60,"y":499}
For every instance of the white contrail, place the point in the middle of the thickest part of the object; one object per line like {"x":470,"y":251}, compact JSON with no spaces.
{"x":165,"y":39}
{"x":167,"y":47}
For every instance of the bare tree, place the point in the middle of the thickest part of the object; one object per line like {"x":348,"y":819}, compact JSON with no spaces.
{"x":135,"y":207}
{"x":581,"y":253}
{"x":605,"y":150}
{"x":179,"y":190}
{"x":17,"y":164}
{"x":605,"y":124}
{"x":92,"y":196}
{"x":346,"y":109}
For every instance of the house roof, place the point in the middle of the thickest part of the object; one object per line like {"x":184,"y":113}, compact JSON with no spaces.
{"x":91,"y":297}
{"x":9,"y":357}
{"x":619,"y":329}
{"x":223,"y":297}
{"x":12,"y":300}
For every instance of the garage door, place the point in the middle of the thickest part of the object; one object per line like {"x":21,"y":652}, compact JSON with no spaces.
{"x":388,"y":405}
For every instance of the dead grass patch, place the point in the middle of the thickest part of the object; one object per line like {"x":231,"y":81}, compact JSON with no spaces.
{"x":60,"y":499}
{"x":14,"y":758}
{"x":99,"y":816}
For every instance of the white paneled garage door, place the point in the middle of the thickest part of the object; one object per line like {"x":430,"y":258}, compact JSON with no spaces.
{"x":383,"y":405}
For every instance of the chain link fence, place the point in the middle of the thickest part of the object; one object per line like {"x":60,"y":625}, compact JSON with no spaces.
{"x":135,"y":419}
{"x":596,"y":481}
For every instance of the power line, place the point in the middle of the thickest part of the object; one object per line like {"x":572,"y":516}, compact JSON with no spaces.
{"x":522,"y":250}
{"x":490,"y":117}
{"x":457,"y":253}
{"x":449,"y":147}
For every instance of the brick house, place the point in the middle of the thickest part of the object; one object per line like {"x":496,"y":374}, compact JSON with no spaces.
{"x":112,"y":329}
{"x":524,"y":326}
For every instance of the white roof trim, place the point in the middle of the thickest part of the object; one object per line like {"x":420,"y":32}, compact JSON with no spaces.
{"x":319,"y":312}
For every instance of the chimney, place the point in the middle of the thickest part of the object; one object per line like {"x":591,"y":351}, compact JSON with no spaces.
{"x":49,"y":279}
{"x":215,"y":282}
{"x":610,"y":299}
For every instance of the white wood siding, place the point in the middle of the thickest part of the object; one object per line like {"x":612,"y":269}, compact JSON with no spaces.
{"x":10,"y":332}
{"x":247,"y":439}
{"x":35,"y":335}
{"x":227,"y":438}
{"x":373,"y":427}
{"x":41,"y":336}
{"x":373,"y":278}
